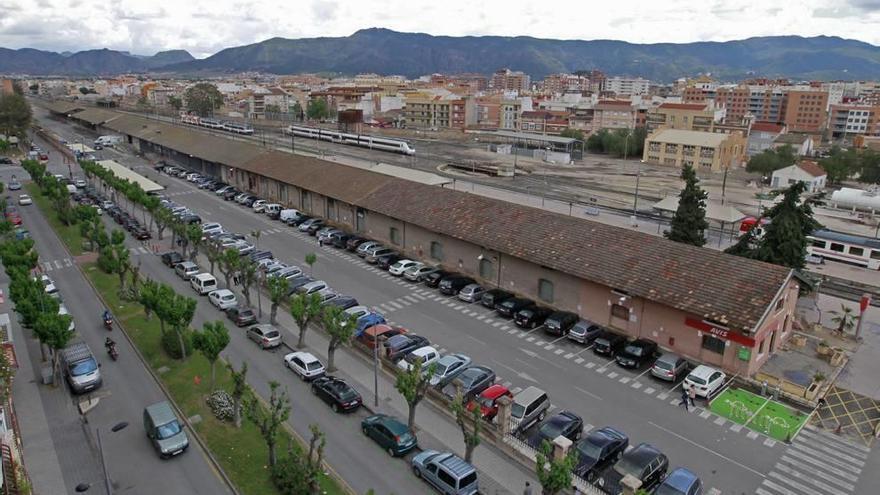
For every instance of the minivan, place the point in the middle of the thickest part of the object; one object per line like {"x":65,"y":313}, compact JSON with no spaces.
{"x":528,"y":406}
{"x":186,"y":269}
{"x":609,"y":344}
{"x":164,"y":430}
{"x":203,"y":283}
{"x":560,"y":322}
{"x":447,"y":472}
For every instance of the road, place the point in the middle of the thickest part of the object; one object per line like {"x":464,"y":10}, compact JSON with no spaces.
{"x":729,"y":459}
{"x":128,"y":387}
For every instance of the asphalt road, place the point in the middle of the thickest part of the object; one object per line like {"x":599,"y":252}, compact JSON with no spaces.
{"x":133,"y":465}
{"x":728,"y":459}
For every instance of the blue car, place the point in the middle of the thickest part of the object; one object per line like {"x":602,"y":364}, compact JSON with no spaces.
{"x":367,"y":321}
{"x":681,"y":481}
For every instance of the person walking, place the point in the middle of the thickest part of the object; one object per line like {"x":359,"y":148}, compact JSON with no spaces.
{"x":684,"y":399}
{"x":528,"y":489}
{"x":692,"y":394}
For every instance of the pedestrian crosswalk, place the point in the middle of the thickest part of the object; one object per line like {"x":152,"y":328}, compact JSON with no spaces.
{"x":816,"y":463}
{"x":53,"y":265}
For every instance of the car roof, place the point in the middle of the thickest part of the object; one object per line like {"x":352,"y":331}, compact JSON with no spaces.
{"x":643,"y":453}
{"x":306,"y":357}
{"x":681,"y":479}
{"x":703,"y":371}
{"x":528,"y":395}
{"x":494,"y":391}
{"x":222,"y":292}
{"x":669,"y":358}
{"x":457,"y":465}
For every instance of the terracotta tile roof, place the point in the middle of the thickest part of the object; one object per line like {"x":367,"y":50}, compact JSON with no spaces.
{"x":683,"y":106}
{"x":704,"y":282}
{"x":620,"y":103}
{"x":767,"y":127}
{"x":812,"y":167}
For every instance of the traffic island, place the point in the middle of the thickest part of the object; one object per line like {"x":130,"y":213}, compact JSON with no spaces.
{"x":760,"y":414}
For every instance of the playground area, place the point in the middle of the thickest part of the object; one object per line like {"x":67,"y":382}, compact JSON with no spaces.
{"x":761,"y":414}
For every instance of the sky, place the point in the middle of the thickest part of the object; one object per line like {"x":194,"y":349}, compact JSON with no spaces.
{"x":204,"y":27}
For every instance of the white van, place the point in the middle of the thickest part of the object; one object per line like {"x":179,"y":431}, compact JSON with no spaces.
{"x":203,"y":283}
{"x":272,"y":210}
{"x":108,"y":140}
{"x":288,"y":214}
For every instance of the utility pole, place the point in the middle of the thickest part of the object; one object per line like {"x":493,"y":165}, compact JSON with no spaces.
{"x":375,"y":371}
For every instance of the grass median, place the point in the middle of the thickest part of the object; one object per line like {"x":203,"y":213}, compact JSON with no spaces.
{"x":69,"y":234}
{"x":242,"y":453}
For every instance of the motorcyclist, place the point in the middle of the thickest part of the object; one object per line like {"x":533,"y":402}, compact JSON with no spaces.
{"x":109,"y":343}
{"x":107,"y":316}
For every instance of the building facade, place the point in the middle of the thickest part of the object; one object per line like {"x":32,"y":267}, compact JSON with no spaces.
{"x":850,"y":120}
{"x":626,"y":86}
{"x":762,"y":136}
{"x":701,"y":150}
{"x":508,"y":80}
{"x":807,"y":172}
{"x":614,"y":114}
{"x":684,"y":116}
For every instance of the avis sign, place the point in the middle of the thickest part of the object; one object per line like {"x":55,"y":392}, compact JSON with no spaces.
{"x":721,"y":333}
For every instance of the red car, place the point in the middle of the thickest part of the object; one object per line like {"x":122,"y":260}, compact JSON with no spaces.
{"x":379,"y":333}
{"x":13,"y":217}
{"x":488,"y":401}
{"x":44,"y":156}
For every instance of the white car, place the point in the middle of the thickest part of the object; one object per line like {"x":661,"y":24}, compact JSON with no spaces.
{"x":24,"y":199}
{"x":222,"y":298}
{"x":211,"y":228}
{"x":312,"y":287}
{"x":401,"y":266}
{"x":79,"y":183}
{"x":358,"y":311}
{"x":49,"y":286}
{"x":304,"y":364}
{"x":62,"y":310}
{"x":426,"y":354}
{"x":705,"y":380}
{"x":259,"y":205}
{"x":417,"y":273}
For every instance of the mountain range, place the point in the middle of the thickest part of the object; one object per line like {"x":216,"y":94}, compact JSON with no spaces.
{"x":384,"y":51}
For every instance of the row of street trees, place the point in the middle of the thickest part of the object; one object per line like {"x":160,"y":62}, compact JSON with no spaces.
{"x":15,"y":114}
{"x":840,"y":164}
{"x":618,"y":142}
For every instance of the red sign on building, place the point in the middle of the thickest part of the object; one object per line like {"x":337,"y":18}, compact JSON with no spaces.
{"x":721,"y":333}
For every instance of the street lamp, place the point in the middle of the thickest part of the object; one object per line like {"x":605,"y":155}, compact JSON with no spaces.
{"x":84,"y":487}
{"x":375,"y":371}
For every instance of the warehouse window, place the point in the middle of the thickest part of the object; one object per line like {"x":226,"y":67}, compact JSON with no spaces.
{"x":436,"y":251}
{"x":486,"y":269}
{"x":394,"y":235}
{"x":545,"y":290}
{"x":620,"y":311}
{"x":713,"y":344}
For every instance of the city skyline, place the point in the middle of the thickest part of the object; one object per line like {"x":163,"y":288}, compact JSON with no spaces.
{"x":202,"y":28}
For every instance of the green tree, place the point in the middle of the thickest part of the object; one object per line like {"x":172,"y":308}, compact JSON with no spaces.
{"x":689,"y":223}
{"x":269,"y":420}
{"x":298,"y":111}
{"x":148,"y":297}
{"x":175,"y":102}
{"x":771,"y":159}
{"x":273,"y":109}
{"x":300,"y":474}
{"x":304,"y":308}
{"x":239,"y":388}
{"x":178,"y":311}
{"x":554,"y":474}
{"x":194,"y":239}
{"x":413,"y":385}
{"x":746,"y":245}
{"x":840,"y":165}
{"x":310,"y":260}
{"x":163,"y":219}
{"x":785,"y":237}
{"x":845,"y":319}
{"x":573,"y":134}
{"x":211,"y":341}
{"x":54,"y":331}
{"x":318,"y":109}
{"x":470,"y":424}
{"x":339,"y":326}
{"x":229,"y":261}
{"x":278,"y":292}
{"x":202,"y":99}
{"x":84,"y":90}
{"x":869,"y":167}
{"x":247,"y":275}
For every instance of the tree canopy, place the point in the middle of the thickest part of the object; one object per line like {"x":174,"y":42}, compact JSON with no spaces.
{"x":615,"y":142}
{"x":771,"y":159}
{"x":15,"y":115}
{"x":689,"y":223}
{"x":202,"y":99}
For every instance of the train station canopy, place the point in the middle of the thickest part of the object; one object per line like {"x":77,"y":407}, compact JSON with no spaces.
{"x":125,"y":173}
{"x":716,"y":212}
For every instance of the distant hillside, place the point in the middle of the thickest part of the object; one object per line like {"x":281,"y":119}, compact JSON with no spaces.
{"x":85,"y":63}
{"x":412,"y":54}
{"x":388,"y":52}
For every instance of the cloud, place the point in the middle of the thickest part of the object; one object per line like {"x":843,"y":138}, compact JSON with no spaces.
{"x":865,"y":5}
{"x":324,"y":10}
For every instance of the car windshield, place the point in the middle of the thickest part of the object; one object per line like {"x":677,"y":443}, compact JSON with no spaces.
{"x":517,"y":410}
{"x":697,"y":380}
{"x":412,"y":358}
{"x":271,"y":335}
{"x":589,"y":449}
{"x":552,"y":429}
{"x":663,"y":365}
{"x":635,"y":350}
{"x":84,"y":367}
{"x":168,"y":430}
{"x":346,"y":393}
{"x":665,"y":489}
{"x":314,"y":365}
{"x":628,"y":466}
{"x":486,"y":401}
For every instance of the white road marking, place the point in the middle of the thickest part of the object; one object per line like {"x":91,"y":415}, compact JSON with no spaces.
{"x":705,"y":414}
{"x":58,"y":264}
{"x":587,"y":393}
{"x":636,"y":385}
{"x":736,"y":427}
{"x":817,"y":472}
{"x":826,"y":489}
{"x":613,"y":374}
{"x":625,"y":379}
{"x":719,"y":421}
{"x":707,"y":449}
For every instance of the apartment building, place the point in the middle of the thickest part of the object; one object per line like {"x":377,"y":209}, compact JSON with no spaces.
{"x":847,"y":121}
{"x":805,"y":110}
{"x":560,"y":83}
{"x":762,"y":136}
{"x":614,"y":114}
{"x":701,"y":150}
{"x":543,"y":121}
{"x":508,"y":80}
{"x":685,"y":116}
{"x":626,"y":86}
{"x":431,"y":111}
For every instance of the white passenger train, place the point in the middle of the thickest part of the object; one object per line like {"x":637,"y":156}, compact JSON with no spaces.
{"x":848,"y":248}
{"x":235,"y":127}
{"x":362,"y":140}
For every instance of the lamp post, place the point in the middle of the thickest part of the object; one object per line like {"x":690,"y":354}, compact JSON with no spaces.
{"x":108,"y":488}
{"x":375,"y":372}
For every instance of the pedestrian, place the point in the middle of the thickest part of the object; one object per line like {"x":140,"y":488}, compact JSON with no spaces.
{"x":528,"y":489}
{"x":684,"y":399}
{"x":692,"y":394}
{"x":321,"y":241}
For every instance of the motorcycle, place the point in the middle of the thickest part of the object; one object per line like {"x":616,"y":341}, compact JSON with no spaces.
{"x":108,"y":324}
{"x":114,"y":354}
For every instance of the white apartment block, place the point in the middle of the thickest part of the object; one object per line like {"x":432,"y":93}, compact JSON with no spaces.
{"x":627,"y":85}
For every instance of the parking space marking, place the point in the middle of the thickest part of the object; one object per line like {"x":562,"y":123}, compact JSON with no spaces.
{"x":587,"y":348}
{"x":496,"y":324}
{"x":550,"y":346}
{"x":625,"y":379}
{"x":579,"y":361}
{"x":530,"y":338}
{"x":752,"y":435}
{"x":736,"y":427}
{"x":559,"y":351}
{"x":636,"y":385}
{"x":769,"y":442}
{"x":58,"y":264}
{"x":719,"y":421}
{"x":569,"y":355}
{"x":674,"y":402}
{"x":613,"y":374}
{"x":663,"y":396}
{"x":481,"y":317}
{"x":590,"y":364}
{"x":591,"y":394}
{"x":649,"y":390}
{"x":557,"y":340}
{"x":513,"y":331}
{"x":705,"y":414}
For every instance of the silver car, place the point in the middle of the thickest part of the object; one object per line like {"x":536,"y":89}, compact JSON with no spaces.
{"x":265,"y":335}
{"x":416,"y":274}
{"x":447,"y":368}
{"x":669,"y":367}
{"x":471,"y":293}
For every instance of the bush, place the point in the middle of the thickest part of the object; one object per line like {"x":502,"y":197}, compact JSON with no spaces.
{"x":221,"y":405}
{"x":289,"y":476}
{"x":171,"y":343}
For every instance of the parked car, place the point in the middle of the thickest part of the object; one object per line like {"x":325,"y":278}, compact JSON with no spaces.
{"x":584,"y":332}
{"x":446,"y":472}
{"x":511,"y":306}
{"x":390,"y":433}
{"x":24,"y":200}
{"x":296,"y":282}
{"x":418,"y":273}
{"x":141,"y":233}
{"x":241,"y":316}
{"x":401,"y":266}
{"x":265,"y":335}
{"x":259,"y":255}
{"x":608,"y":343}
{"x":305,"y":226}
{"x":426,"y":355}
{"x":705,"y":380}
{"x":528,"y":406}
{"x":564,"y":423}
{"x":450,"y":285}
{"x":637,"y":353}
{"x":222,"y":299}
{"x":531,"y":316}
{"x":680,"y":481}
{"x":669,"y":367}
{"x":354,"y":242}
{"x":373,"y":255}
{"x":447,"y":368}
{"x":600,"y":448}
{"x":376,"y":335}
{"x":384,"y":262}
{"x":171,"y":258}
{"x":313,"y":228}
{"x":493,"y":297}
{"x":432,"y":279}
{"x":644,"y":462}
{"x":359,"y":311}
{"x":304,"y":364}
{"x":342,"y":301}
{"x":560,"y":322}
{"x":487,"y":401}
{"x":400,"y":345}
{"x":340,"y":240}
{"x":366,"y":321}
{"x":470,"y":383}
{"x":186,"y":269}
{"x":471,"y":293}
{"x":339,"y":395}
{"x":366,"y":247}
{"x":312,"y":287}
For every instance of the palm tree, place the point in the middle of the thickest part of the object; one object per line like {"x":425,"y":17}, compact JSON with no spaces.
{"x":845,"y":319}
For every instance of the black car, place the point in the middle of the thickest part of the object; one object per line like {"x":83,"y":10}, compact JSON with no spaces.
{"x":343,"y":302}
{"x":637,"y":353}
{"x":340,"y":395}
{"x":190,"y":219}
{"x":509,"y":307}
{"x":171,"y":258}
{"x":493,"y":297}
{"x":600,"y":448}
{"x":470,"y":383}
{"x":231,"y":193}
{"x":565,"y":423}
{"x":141,"y":233}
{"x":608,"y":343}
{"x":531,"y":316}
{"x":353,"y":242}
{"x":242,"y":316}
{"x":297,"y":220}
{"x":385,"y":262}
{"x":644,"y":462}
{"x":219,"y":185}
{"x":259,"y":255}
{"x":249,"y":201}
{"x":452,"y":284}
{"x":340,"y":240}
{"x":5,"y":160}
{"x":560,"y":322}
{"x":400,"y":345}
{"x":433,"y":279}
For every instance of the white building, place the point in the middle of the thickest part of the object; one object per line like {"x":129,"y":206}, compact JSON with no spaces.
{"x":627,"y":85}
{"x":807,"y":171}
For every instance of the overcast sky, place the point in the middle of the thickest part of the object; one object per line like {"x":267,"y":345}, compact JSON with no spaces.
{"x":204,"y":27}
